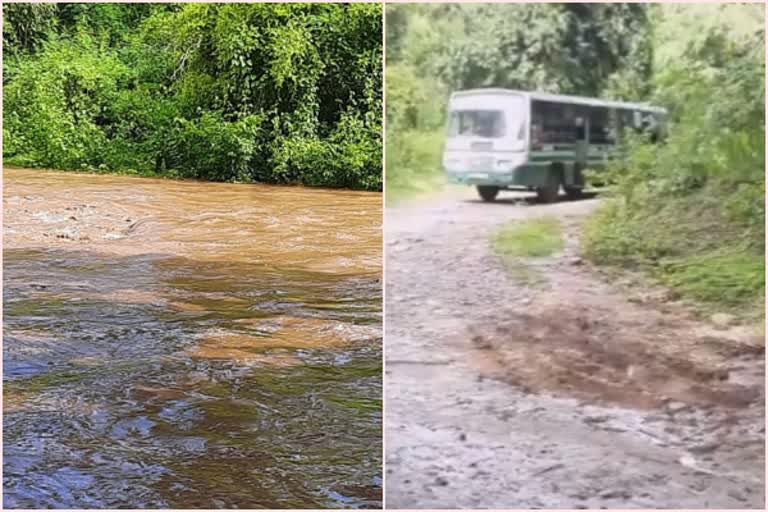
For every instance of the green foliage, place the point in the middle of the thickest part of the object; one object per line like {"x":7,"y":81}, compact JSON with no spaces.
{"x":686,"y":242}
{"x":730,"y":276}
{"x":282,"y":93}
{"x":213,"y":149}
{"x":691,"y":211}
{"x":56,"y":105}
{"x":413,"y":162}
{"x":530,"y":239}
{"x":568,"y":48}
{"x":415,"y":132}
{"x":25,"y":27}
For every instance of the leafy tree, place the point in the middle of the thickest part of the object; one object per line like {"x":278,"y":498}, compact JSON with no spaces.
{"x":692,"y":210}
{"x":285,"y":93}
{"x":26,"y":26}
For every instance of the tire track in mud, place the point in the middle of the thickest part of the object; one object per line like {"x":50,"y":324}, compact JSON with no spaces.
{"x":563,"y":393}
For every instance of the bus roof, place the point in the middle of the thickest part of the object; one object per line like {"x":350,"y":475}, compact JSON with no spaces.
{"x":562,"y":98}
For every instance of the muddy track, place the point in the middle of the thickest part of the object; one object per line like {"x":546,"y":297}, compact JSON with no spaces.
{"x":563,"y":391}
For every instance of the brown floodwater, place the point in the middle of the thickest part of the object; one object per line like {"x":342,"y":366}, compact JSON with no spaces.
{"x":189,"y":345}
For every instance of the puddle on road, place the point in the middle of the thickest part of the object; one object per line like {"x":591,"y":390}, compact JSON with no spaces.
{"x":226,"y":352}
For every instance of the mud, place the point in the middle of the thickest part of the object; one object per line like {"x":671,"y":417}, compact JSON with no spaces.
{"x":573,"y":350}
{"x":562,"y":391}
{"x":189,"y":345}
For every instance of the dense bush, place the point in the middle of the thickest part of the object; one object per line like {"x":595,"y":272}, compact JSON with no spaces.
{"x":692,"y":210}
{"x":415,"y":133}
{"x":284,"y":93}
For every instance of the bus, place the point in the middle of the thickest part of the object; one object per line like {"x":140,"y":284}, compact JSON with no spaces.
{"x":502,"y":139}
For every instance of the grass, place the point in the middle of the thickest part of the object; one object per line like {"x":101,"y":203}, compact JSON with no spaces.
{"x":725,"y":277}
{"x":413,"y":164}
{"x":417,"y":185}
{"x":535,"y":238}
{"x":686,"y":243}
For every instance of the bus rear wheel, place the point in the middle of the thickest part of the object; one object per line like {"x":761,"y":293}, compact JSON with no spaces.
{"x":575,"y":189}
{"x":574,"y":192}
{"x":547,"y":194}
{"x":487,"y":193}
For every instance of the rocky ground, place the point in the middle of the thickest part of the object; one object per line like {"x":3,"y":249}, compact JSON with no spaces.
{"x":551,"y":385}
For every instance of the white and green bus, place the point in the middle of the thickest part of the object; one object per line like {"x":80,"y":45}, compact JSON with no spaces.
{"x":500,"y":139}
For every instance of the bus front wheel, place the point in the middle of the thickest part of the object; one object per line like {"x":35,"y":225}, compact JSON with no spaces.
{"x":487,"y":193}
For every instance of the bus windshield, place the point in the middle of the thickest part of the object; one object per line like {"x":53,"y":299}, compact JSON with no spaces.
{"x":487,"y":117}
{"x":478,"y":123}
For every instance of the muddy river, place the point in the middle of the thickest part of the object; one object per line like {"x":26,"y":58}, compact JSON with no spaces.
{"x":189,"y":345}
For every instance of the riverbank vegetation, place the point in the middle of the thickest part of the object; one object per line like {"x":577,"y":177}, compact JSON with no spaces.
{"x":689,"y":212}
{"x":278,"y":93}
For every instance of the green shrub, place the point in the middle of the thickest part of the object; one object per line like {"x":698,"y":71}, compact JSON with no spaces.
{"x":691,"y":211}
{"x":731,"y":276}
{"x":55,"y":108}
{"x":208,"y":148}
{"x":414,"y":162}
{"x":690,"y":243}
{"x":281,"y":93}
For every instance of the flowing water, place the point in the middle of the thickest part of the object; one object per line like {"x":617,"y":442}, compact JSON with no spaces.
{"x":189,"y":345}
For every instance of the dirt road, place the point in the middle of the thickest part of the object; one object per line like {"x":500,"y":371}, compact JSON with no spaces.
{"x":563,"y":390}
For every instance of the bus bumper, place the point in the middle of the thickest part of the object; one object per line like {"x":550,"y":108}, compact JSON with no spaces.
{"x":525,"y":177}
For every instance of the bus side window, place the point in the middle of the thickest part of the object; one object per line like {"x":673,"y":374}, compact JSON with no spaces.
{"x":537,"y":131}
{"x":659,"y":128}
{"x":662,"y":127}
{"x":557,"y":122}
{"x":581,"y":129}
{"x":650,"y":126}
{"x":599,"y":126}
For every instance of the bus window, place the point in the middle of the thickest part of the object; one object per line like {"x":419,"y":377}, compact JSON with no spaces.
{"x":641,"y":122}
{"x":581,"y":129}
{"x":613,"y":130}
{"x":537,"y":132}
{"x":480,"y":123}
{"x":600,"y":126}
{"x":557,"y":122}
